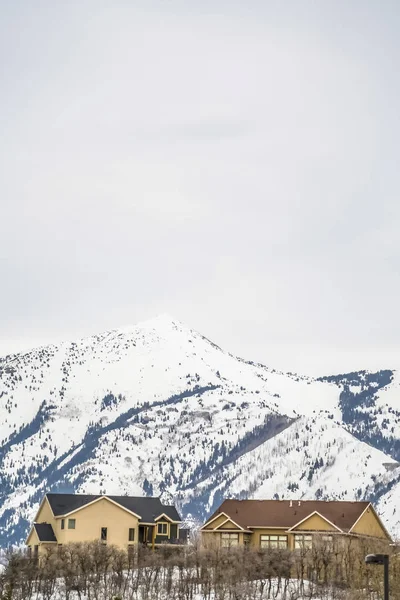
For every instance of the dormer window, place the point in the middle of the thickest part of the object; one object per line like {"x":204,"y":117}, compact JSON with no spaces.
{"x":162,"y":528}
{"x":229,"y":539}
{"x":303,"y":541}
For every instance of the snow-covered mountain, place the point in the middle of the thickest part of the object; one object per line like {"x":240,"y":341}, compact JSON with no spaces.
{"x":160,"y":409}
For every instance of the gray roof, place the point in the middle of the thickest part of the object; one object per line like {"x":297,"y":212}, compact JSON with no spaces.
{"x":148,"y":508}
{"x":45,"y":532}
{"x":61,"y":504}
{"x":171,"y":512}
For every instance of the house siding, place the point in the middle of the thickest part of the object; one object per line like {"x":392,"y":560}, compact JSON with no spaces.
{"x":165,"y":539}
{"x":257,"y":533}
{"x":44,"y":515}
{"x":315,"y":523}
{"x":217,"y":522}
{"x":90,"y":520}
{"x":229,"y":525}
{"x":161,"y":539}
{"x":33,"y":539}
{"x":209,"y":539}
{"x":174,"y":531}
{"x":369,"y":525}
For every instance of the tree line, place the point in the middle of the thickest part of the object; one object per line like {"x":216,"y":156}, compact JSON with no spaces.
{"x":330,"y":570}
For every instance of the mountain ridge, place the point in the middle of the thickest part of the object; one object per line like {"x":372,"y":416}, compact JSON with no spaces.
{"x":157,"y":408}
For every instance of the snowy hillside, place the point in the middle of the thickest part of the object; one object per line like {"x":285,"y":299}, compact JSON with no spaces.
{"x":159,"y":409}
{"x":313,"y":458}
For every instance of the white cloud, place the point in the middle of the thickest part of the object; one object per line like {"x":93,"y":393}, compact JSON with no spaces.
{"x":235,"y":167}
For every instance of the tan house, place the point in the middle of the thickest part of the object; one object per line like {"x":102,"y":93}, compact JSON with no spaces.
{"x":289,"y":524}
{"x":124,"y":521}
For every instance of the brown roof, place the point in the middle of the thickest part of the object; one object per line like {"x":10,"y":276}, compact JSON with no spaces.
{"x":286,"y":513}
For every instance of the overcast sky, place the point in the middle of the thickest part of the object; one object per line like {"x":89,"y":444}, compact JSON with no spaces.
{"x":234,"y":164}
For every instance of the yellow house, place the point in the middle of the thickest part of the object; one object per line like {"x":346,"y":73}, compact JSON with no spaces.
{"x":123,"y":521}
{"x":290,"y":524}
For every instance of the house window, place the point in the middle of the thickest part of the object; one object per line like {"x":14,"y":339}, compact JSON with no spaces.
{"x":71,"y":523}
{"x":104,"y":534}
{"x":324,"y":540}
{"x":62,"y":523}
{"x":229,"y":539}
{"x":273,"y":541}
{"x":327,"y":539}
{"x":131,"y":534}
{"x":162,"y":528}
{"x":303,"y":541}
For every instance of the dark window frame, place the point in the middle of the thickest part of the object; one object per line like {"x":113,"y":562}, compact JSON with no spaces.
{"x":163,"y":523}
{"x":131,"y":534}
{"x":103,"y":534}
{"x":273,"y":540}
{"x":62,"y":523}
{"x":71,"y":523}
{"x":303,"y":541}
{"x":229,"y":539}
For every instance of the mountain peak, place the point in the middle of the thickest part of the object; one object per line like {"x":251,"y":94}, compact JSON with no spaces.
{"x":161,"y":323}
{"x":156,"y":408}
{"x":163,"y":319}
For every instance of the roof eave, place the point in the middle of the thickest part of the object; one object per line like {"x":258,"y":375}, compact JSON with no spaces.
{"x":370,"y":506}
{"x":97,"y":500}
{"x":167,"y":517}
{"x":315,"y":512}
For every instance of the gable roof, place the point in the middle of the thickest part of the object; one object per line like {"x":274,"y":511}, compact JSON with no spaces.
{"x":286,"y":514}
{"x":370,"y":507}
{"x":62,"y":504}
{"x":215,"y":516}
{"x":171,"y":512}
{"x":45,"y":532}
{"x":315,"y":513}
{"x":147,"y":507}
{"x":169,"y":517}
